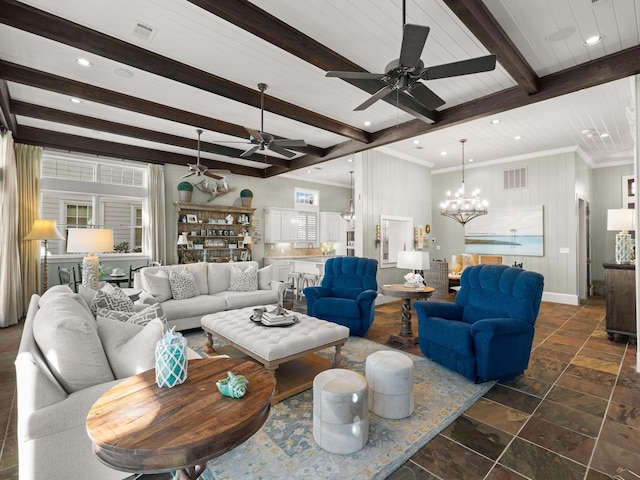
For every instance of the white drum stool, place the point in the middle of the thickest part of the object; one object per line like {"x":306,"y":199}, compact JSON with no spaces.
{"x":390,"y":380}
{"x":340,"y":411}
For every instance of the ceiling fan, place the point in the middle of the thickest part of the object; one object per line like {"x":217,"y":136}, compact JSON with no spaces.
{"x":199,"y":169}
{"x":405,"y":73}
{"x":262,"y":140}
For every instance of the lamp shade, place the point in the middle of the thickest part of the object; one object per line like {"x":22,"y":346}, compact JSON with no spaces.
{"x":182,"y":239}
{"x":247,"y":240}
{"x":621,"y":219}
{"x":85,"y":240}
{"x":413,"y":260}
{"x":44,"y":229}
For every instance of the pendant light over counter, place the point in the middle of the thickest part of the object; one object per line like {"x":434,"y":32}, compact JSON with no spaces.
{"x":350,"y":213}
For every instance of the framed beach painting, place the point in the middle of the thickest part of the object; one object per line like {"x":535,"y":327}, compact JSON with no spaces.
{"x":507,"y":231}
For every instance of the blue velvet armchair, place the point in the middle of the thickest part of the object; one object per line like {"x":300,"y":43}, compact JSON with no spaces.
{"x":347,"y":293}
{"x":487,"y":333}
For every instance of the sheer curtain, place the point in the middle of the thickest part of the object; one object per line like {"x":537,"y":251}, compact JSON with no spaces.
{"x":11,"y":308}
{"x":28,"y":170}
{"x":156,"y":238}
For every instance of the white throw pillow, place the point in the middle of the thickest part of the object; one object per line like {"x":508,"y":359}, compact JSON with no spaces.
{"x":183,"y":284}
{"x":264,"y":277}
{"x":246,"y":281}
{"x":159,"y":285}
{"x":141,"y":317}
{"x":66,"y":333}
{"x":130,"y":348}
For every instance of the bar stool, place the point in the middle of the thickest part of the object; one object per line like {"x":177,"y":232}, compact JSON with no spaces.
{"x":294,"y":279}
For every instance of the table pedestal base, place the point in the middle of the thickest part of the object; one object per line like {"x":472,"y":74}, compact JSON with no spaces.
{"x":404,"y":341}
{"x":406,"y":337}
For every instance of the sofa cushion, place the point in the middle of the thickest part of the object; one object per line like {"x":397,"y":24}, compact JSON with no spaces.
{"x":218,"y":278}
{"x":141,"y":317}
{"x":235,"y":300}
{"x":67,"y":335}
{"x":199,"y":272}
{"x":244,"y":281}
{"x":192,"y":307}
{"x":130,"y":348}
{"x":183,"y":284}
{"x":158,"y":285}
{"x":265,"y":275}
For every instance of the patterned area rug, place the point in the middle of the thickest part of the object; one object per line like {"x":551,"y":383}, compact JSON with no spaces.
{"x":285,"y":448}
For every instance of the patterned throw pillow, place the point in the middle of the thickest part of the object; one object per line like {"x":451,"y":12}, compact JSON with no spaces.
{"x":118,"y":300}
{"x":141,"y":318}
{"x":183,"y":284}
{"x":246,"y":281}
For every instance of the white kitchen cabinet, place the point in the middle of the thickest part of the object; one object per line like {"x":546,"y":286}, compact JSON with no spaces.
{"x":280,"y":225}
{"x":330,"y":227}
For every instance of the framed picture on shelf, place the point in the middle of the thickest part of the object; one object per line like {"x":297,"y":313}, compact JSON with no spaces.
{"x":190,"y":245}
{"x":628,"y":191}
{"x":240,"y":244}
{"x":192,"y":219}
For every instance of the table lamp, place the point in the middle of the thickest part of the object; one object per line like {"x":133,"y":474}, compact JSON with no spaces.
{"x":44,"y":229}
{"x":414,"y":261}
{"x":622,"y":220}
{"x":90,"y":240}
{"x":183,"y":241}
{"x":247,"y":244}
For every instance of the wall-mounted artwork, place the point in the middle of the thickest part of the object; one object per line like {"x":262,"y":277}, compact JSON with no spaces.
{"x":507,"y":231}
{"x":628,"y":191}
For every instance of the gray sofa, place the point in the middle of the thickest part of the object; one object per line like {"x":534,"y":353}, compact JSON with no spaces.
{"x":54,"y":396}
{"x":215,"y":282}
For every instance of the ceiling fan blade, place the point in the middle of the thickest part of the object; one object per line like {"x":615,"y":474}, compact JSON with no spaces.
{"x":355,"y":75}
{"x":188,"y":175}
{"x":284,"y":142}
{"x":463,"y":67}
{"x":250,"y":152}
{"x":281,"y":151}
{"x":255,"y":134}
{"x":425,"y":96}
{"x":213,"y":175}
{"x":383,"y":92}
{"x":413,"y":39}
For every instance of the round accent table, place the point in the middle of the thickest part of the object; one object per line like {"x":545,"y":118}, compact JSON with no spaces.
{"x":139,"y":427}
{"x":406,"y":337}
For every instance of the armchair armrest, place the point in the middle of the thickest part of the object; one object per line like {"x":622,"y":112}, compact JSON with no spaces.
{"x":500,"y":326}
{"x":447,"y":310}
{"x":279,"y":287}
{"x":314,"y":293}
{"x":366,"y":296}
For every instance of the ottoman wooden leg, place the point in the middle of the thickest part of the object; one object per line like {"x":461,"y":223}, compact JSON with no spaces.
{"x":337,"y":357}
{"x":209,"y":345}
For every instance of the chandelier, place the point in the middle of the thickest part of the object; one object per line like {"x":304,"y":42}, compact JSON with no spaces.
{"x":350,"y":213}
{"x":460,"y":207}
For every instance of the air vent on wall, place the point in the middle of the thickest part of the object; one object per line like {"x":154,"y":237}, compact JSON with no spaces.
{"x":516,"y":178}
{"x":143,"y":31}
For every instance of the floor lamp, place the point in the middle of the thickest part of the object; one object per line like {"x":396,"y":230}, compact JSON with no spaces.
{"x":90,"y":240}
{"x":44,"y":229}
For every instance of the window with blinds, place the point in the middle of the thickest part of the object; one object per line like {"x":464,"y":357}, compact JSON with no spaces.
{"x":307,"y":229}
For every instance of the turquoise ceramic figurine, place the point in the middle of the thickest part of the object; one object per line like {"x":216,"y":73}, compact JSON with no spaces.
{"x":234,"y":386}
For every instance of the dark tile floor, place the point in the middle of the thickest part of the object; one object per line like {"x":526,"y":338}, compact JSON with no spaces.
{"x":574,"y":414}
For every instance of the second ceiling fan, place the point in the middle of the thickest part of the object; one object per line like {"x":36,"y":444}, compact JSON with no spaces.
{"x":262,"y":140}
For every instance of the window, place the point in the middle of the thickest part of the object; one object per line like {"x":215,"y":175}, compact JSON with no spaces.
{"x":82,"y":191}
{"x":307,"y":229}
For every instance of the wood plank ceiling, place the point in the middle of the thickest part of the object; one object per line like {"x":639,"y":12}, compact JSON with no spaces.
{"x":143,"y":98}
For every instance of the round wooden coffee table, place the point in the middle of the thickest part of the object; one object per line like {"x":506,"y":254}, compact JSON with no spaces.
{"x":140,"y":428}
{"x":407,"y":294}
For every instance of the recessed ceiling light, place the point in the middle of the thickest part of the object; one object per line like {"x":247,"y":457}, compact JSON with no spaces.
{"x":416,"y":142}
{"x":495,"y":121}
{"x":470,"y":160}
{"x":589,"y":132}
{"x":349,"y":159}
{"x":604,"y":135}
{"x":367,"y":123}
{"x":594,"y":40}
{"x":517,"y":137}
{"x":443,"y":153}
{"x":308,"y":171}
{"x":75,"y":100}
{"x":123,"y":72}
{"x":83,"y":62}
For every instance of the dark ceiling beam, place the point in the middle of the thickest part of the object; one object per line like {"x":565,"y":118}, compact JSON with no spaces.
{"x":596,"y":72}
{"x":65,"y":141}
{"x":477,"y":18}
{"x":38,"y":22}
{"x":68,"y":118}
{"x":7,"y":118}
{"x":54,"y":83}
{"x":249,"y":17}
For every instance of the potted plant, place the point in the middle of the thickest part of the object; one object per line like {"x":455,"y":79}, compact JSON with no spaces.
{"x":185,"y":190}
{"x":246,"y":197}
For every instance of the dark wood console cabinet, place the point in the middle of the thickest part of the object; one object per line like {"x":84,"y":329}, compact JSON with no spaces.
{"x":620,"y":281}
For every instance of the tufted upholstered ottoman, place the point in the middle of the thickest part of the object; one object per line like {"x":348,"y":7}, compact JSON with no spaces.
{"x":390,"y":380}
{"x":340,"y":411}
{"x":287,"y":349}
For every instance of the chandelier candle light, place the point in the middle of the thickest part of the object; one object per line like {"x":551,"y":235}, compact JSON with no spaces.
{"x":461,"y":208}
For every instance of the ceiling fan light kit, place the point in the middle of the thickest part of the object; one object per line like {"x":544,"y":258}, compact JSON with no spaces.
{"x":460,"y":207}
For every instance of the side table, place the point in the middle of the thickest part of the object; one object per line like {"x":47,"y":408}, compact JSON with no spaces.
{"x":406,"y":337}
{"x":139,"y":427}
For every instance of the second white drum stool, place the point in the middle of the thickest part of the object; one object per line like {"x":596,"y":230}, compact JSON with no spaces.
{"x":390,"y":380}
{"x":340,"y":411}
